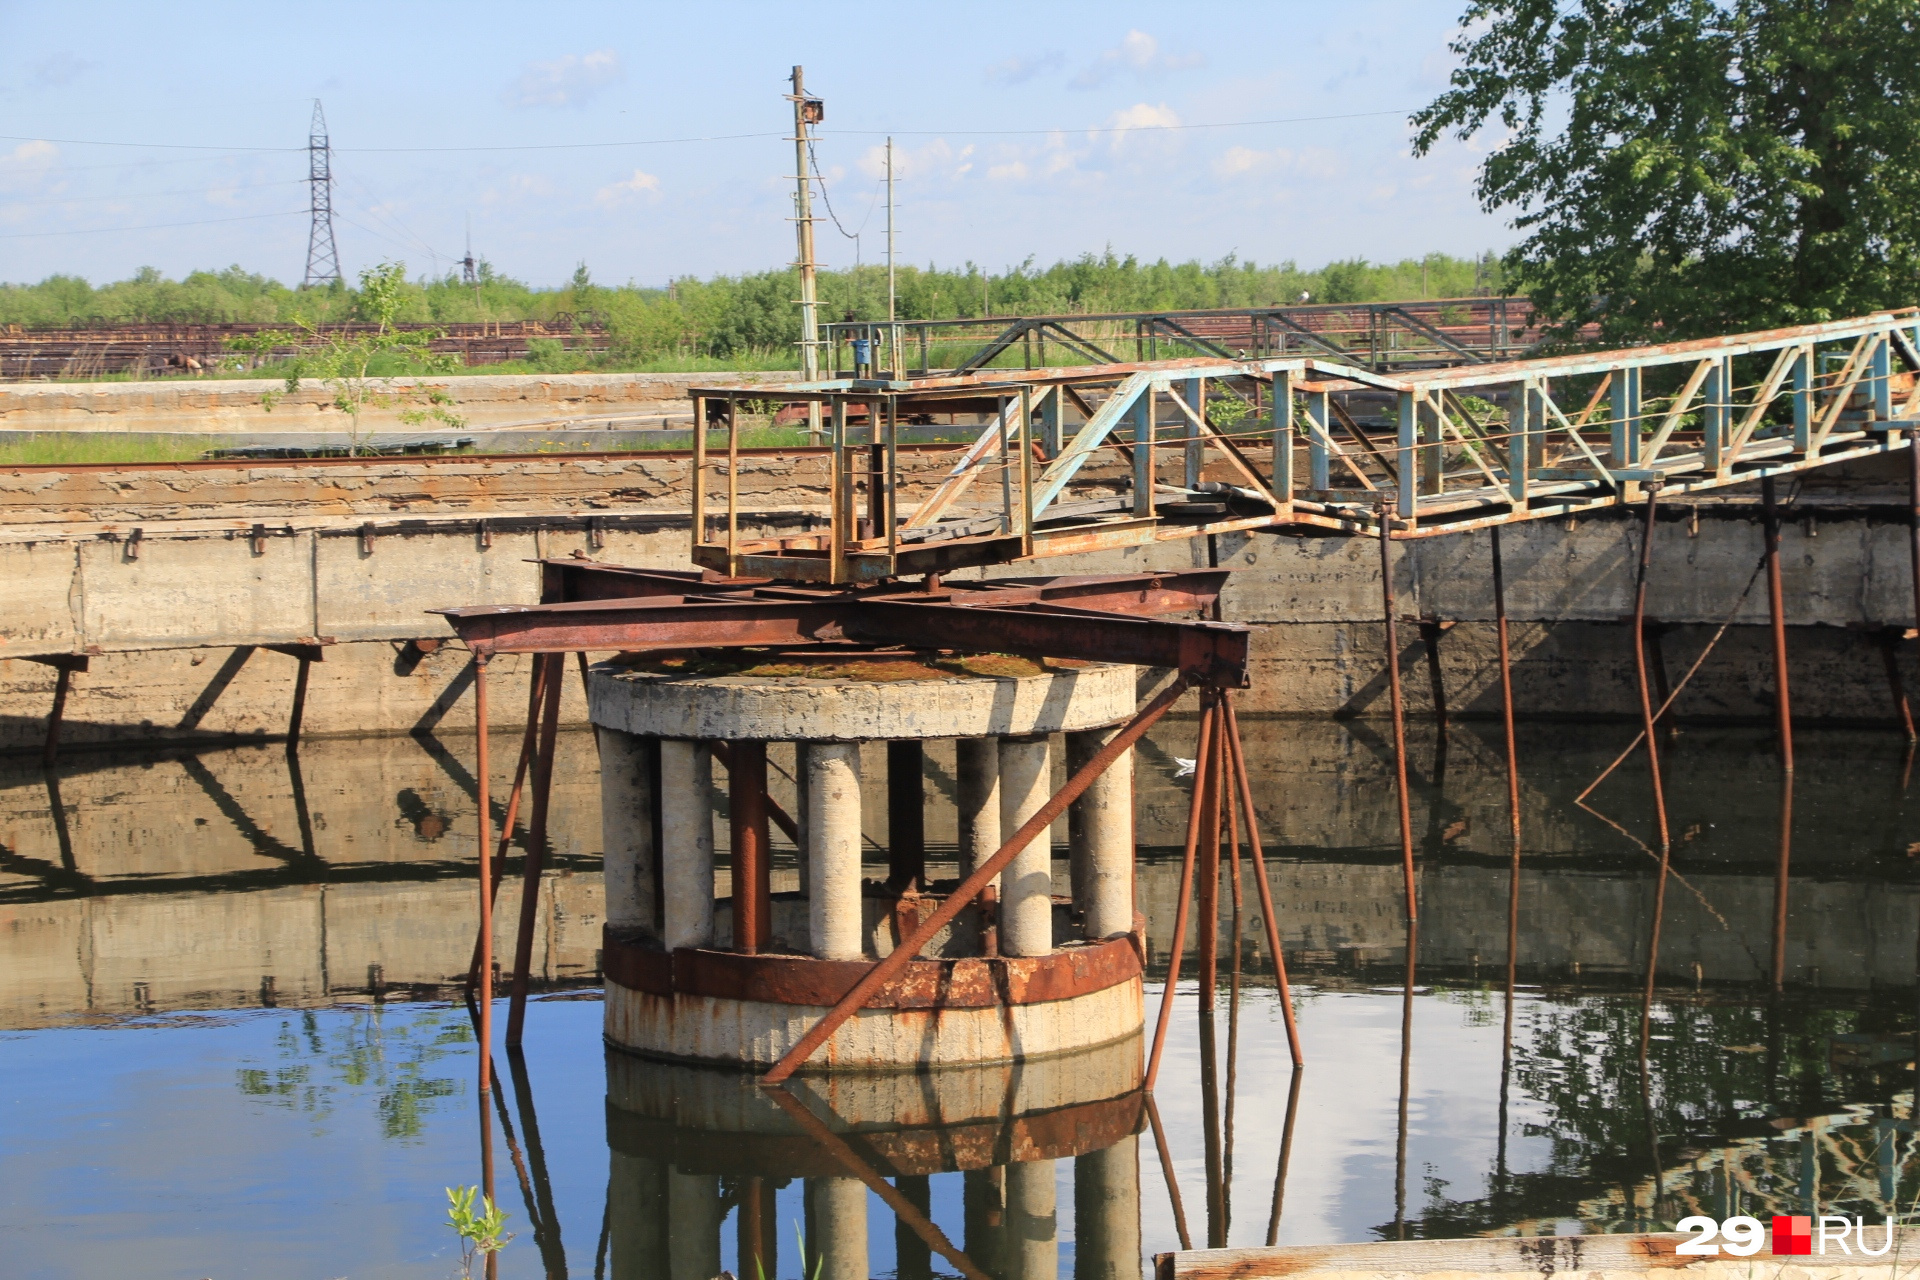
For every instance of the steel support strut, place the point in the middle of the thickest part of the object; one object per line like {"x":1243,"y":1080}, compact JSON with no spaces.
{"x":553,"y":669}
{"x":1399,"y":709}
{"x":1777,"y":618}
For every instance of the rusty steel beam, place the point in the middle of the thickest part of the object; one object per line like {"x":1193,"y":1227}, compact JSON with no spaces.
{"x":1211,"y":654}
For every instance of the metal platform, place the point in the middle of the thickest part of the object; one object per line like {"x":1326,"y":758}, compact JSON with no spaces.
{"x":1096,"y":457}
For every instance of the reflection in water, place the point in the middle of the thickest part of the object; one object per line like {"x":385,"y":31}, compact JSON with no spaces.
{"x":1761,"y":1063}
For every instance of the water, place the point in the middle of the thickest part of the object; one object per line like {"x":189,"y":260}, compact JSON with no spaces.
{"x":229,"y":1044}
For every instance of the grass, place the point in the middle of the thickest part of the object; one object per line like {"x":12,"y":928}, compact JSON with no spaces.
{"x":67,"y":449}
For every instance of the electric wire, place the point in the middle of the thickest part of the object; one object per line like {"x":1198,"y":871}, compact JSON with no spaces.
{"x":720,"y":137}
{"x":145,"y":195}
{"x":152,"y":226}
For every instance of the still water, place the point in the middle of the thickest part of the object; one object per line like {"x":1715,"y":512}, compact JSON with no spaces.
{"x":230,"y":1044}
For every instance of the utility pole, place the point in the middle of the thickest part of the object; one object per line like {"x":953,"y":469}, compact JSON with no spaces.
{"x":806,"y":111}
{"x":323,"y":256}
{"x":893,"y":327}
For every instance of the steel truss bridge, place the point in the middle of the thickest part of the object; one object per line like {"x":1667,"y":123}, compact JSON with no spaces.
{"x":1423,"y":333}
{"x":1086,"y":458}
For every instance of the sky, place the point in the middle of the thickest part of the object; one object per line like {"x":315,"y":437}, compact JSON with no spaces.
{"x":647,"y":140}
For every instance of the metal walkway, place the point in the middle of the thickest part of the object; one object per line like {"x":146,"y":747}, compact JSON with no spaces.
{"x":1097,"y":457}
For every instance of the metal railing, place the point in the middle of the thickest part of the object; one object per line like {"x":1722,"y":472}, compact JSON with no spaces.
{"x":1074,"y":459}
{"x":1378,"y":335}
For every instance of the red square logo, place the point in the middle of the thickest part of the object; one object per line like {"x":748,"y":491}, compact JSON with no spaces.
{"x":1792,"y":1234}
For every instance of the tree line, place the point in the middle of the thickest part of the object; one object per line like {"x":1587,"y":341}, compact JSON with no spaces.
{"x":739,"y":316}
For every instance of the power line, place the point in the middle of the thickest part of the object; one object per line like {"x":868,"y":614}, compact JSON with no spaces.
{"x":151,"y":226}
{"x":735,"y":137}
{"x":145,"y":195}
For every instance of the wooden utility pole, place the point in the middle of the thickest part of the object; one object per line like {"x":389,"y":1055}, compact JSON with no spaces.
{"x":806,"y":111}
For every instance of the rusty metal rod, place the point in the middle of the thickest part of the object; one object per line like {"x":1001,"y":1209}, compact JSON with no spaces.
{"x":1206,"y":898}
{"x":1506,"y":694}
{"x":1513,"y":868}
{"x":904,"y":1209}
{"x":1399,"y":708}
{"x":536,"y":846}
{"x":970,"y":888}
{"x":752,"y":868}
{"x":1913,"y":521}
{"x":1653,"y":766}
{"x":1782,"y":870}
{"x":1260,"y":882}
{"x":1640,"y":668}
{"x":483,"y":768}
{"x":1777,"y":616}
{"x":1177,"y":948}
{"x":1406,"y":1079}
{"x":1286,"y":1156}
{"x":1166,"y":1170}
{"x":1621,"y":759}
{"x":1889,"y":642}
{"x":527,"y":741}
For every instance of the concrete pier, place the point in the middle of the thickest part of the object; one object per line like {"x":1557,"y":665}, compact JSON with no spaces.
{"x":742,"y":983}
{"x":1007,"y":1130}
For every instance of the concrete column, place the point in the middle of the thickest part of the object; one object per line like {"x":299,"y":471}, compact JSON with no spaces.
{"x":693,"y":1225}
{"x":1026,"y":886}
{"x":977,"y":793}
{"x":1106,"y":1213}
{"x":686,"y":839}
{"x":836,"y":1229}
{"x":1100,"y":838}
{"x":1031,"y":1250}
{"x":626,"y":828}
{"x":833,"y":903}
{"x":637,"y":1222}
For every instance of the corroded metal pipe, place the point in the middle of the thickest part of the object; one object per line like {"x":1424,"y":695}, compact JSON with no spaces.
{"x":536,"y":845}
{"x":1777,"y":616}
{"x":483,"y":770}
{"x":1260,"y":881}
{"x":1399,"y":708}
{"x":1195,"y":810}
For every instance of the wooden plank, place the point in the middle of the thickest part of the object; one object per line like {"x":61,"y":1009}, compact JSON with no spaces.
{"x":1536,"y":1255}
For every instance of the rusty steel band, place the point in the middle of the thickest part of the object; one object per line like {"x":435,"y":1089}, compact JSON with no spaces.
{"x":982,"y":982}
{"x":910,"y":1151}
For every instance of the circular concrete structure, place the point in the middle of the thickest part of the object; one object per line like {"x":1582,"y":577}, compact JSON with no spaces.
{"x":1021,"y":973}
{"x":817,"y":709}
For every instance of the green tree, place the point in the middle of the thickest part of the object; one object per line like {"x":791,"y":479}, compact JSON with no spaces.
{"x":1686,"y":167}
{"x":356,"y":366}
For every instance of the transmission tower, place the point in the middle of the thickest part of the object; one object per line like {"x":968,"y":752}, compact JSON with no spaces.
{"x":323,"y":257}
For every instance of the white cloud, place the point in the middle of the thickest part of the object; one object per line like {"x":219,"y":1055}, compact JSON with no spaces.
{"x":1020,"y":70}
{"x":570,"y":81}
{"x":929,"y":160}
{"x":641,"y":186}
{"x":1013,"y":172}
{"x":1137,"y":52}
{"x":27,"y":163}
{"x":1141,"y":116}
{"x":1307,"y":162}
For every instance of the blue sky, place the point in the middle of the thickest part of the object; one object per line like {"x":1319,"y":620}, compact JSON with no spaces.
{"x":1021,"y":129}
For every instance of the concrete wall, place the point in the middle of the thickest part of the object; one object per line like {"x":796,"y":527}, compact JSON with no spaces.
{"x":190,"y":881}
{"x":194,"y":580}
{"x":234,"y":405}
